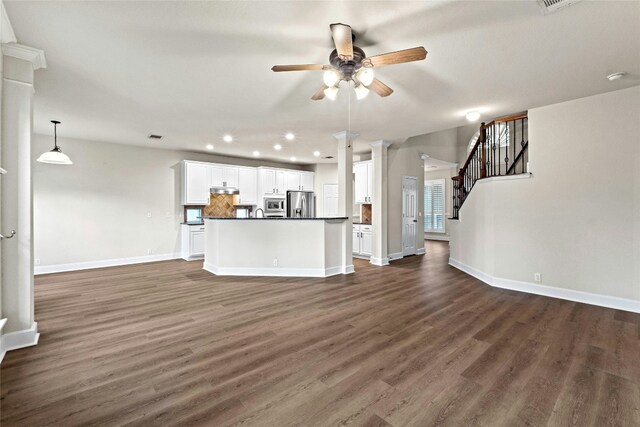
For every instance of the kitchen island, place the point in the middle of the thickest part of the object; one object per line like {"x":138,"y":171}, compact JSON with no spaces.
{"x":302,"y":247}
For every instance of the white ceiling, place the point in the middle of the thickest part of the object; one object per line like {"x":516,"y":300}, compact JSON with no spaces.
{"x":194,"y":71}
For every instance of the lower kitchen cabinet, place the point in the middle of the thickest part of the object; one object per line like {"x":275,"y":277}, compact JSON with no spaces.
{"x":362,"y":240}
{"x":192,"y":242}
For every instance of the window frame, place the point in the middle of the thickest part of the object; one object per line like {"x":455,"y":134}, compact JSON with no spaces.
{"x":431,"y":182}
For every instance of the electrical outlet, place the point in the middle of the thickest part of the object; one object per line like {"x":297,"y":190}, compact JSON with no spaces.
{"x":37,"y":261}
{"x":149,"y":251}
{"x":275,"y":262}
{"x":537,"y":277}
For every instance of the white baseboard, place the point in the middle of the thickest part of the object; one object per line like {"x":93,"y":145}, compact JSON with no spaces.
{"x":420,"y":251}
{"x":278,"y":271}
{"x":46,"y":269}
{"x":550,"y":291}
{"x":395,"y":255}
{"x":379,"y":261}
{"x":19,"y":339}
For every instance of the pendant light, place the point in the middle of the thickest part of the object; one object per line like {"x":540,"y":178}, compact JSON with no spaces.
{"x":55,"y":156}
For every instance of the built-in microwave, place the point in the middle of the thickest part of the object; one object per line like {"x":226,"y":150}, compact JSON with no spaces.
{"x":274,"y":207}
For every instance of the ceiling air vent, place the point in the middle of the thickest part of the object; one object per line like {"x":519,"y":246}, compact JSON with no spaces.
{"x":152,"y":136}
{"x":551,"y":6}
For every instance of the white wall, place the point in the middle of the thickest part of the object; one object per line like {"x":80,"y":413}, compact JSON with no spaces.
{"x":96,"y":209}
{"x":577,"y":220}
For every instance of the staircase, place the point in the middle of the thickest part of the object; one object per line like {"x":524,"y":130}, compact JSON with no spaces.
{"x":501,"y":149}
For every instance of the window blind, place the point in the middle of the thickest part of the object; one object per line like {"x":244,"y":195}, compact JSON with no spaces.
{"x":434,"y":206}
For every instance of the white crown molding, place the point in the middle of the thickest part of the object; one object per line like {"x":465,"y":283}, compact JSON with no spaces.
{"x":381,"y":143}
{"x":550,"y":291}
{"x":26,"y":53}
{"x":6,"y":30}
{"x":345,"y":134}
{"x":46,"y":269}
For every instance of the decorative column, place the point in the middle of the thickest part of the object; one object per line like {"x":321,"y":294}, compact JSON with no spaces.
{"x":19,"y":63}
{"x":345,"y":195}
{"x":379,"y":255}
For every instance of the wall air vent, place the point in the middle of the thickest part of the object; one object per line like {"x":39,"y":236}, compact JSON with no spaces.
{"x":152,"y":136}
{"x":551,"y":6}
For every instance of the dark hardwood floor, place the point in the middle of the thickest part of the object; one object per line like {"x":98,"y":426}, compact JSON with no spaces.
{"x":417,"y":343}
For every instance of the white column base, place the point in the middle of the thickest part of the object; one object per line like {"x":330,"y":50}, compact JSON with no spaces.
{"x":379,"y":261}
{"x":19,"y":339}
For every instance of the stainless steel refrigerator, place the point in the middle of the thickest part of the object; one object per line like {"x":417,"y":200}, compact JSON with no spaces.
{"x":301,"y":204}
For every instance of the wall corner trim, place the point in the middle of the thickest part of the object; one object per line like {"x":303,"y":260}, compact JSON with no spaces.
{"x":550,"y":291}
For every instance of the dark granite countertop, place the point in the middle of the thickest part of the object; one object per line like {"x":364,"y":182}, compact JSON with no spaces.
{"x":280,"y":219}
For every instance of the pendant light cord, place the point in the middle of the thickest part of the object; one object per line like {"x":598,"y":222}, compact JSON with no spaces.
{"x":55,"y":135}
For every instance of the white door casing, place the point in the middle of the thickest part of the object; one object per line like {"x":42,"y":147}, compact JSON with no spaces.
{"x":409,"y":214}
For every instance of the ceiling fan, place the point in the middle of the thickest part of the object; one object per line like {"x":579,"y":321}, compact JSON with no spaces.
{"x":348,"y":62}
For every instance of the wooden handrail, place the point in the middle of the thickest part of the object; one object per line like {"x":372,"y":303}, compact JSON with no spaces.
{"x":485,"y":158}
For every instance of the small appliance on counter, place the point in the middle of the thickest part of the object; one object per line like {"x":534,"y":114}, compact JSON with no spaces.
{"x":301,"y":204}
{"x":193,"y":215}
{"x":274,"y":208}
{"x":243,"y":211}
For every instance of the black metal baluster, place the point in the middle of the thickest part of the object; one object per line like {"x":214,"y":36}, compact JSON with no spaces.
{"x":522,"y":143}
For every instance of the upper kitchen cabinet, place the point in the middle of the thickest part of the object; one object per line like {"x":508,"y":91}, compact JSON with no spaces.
{"x":248,"y":186}
{"x":272,"y":181}
{"x":299,"y":181}
{"x":224,"y":176}
{"x":195,"y":183}
{"x":363,"y":182}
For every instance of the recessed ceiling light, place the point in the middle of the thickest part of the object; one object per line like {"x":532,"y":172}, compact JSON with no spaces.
{"x":209,"y":147}
{"x":472,"y":116}
{"x":316,"y":153}
{"x":292,"y":158}
{"x":616,"y":76}
{"x":227,"y":138}
{"x":277,"y":147}
{"x":290,"y":136}
{"x":256,"y":153}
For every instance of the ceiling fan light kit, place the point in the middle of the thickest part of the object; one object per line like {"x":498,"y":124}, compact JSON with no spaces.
{"x":350,"y":63}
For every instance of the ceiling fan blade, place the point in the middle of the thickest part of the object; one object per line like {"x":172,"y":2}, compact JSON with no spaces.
{"x":301,"y":67}
{"x":398,"y":57}
{"x":319,"y":94}
{"x":343,"y":40}
{"x":380,"y":88}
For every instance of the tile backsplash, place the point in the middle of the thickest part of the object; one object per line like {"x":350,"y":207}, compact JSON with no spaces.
{"x":365,"y":214}
{"x":221,"y":206}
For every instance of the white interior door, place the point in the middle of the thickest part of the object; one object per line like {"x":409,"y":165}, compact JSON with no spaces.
{"x":330,"y":199}
{"x":409,"y":214}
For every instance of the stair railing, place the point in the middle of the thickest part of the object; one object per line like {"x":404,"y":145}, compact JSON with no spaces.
{"x":506,"y":136}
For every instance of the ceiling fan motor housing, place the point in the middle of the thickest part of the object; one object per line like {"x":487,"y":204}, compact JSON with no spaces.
{"x":347,"y":67}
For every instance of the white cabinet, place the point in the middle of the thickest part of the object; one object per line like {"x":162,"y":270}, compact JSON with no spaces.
{"x":293,"y":180}
{"x":192,"y":242}
{"x":224,"y":176}
{"x":195,"y":187}
{"x":273,"y":181}
{"x":299,"y":181}
{"x":363,"y":189}
{"x":362,"y":239}
{"x":248,"y":186}
{"x":306,"y":181}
